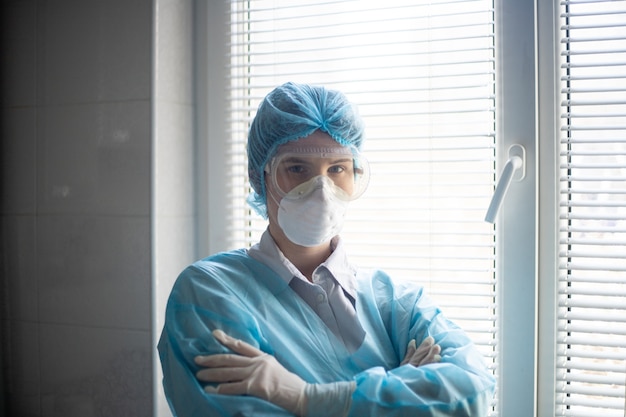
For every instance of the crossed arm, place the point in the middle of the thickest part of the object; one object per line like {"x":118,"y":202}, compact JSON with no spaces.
{"x":250,"y":371}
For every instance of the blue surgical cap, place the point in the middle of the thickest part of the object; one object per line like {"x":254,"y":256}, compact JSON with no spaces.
{"x":291,"y":112}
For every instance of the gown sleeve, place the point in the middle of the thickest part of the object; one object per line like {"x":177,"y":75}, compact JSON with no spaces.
{"x":190,"y":318}
{"x":460,"y":385}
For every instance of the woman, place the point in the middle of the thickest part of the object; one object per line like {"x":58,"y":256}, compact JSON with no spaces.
{"x":289,"y":326}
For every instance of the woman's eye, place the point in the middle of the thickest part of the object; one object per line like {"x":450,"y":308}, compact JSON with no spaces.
{"x":296,"y":169}
{"x":337,"y":169}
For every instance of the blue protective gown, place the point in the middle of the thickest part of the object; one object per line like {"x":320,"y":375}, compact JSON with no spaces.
{"x":247,"y":300}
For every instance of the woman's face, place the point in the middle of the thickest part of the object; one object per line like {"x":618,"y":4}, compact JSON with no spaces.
{"x":298,"y":162}
{"x":299,"y":165}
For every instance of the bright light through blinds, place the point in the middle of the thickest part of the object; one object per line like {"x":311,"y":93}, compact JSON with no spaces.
{"x":422,"y":74}
{"x":591,"y":362}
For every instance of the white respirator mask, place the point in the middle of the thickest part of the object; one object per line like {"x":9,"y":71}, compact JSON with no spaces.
{"x":315,"y":185}
{"x":312,"y":213}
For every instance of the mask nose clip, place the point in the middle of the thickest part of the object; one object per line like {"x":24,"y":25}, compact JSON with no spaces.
{"x":321,"y":180}
{"x":315,"y":183}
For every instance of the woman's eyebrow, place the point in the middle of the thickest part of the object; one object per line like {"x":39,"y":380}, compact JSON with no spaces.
{"x":336,"y":161}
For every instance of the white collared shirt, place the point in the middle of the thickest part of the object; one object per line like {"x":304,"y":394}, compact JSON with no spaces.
{"x":332,"y":294}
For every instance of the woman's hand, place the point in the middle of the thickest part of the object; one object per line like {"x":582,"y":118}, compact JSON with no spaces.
{"x":427,"y":352}
{"x":251,"y":371}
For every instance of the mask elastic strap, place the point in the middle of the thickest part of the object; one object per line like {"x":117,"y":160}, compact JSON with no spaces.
{"x":271,"y":194}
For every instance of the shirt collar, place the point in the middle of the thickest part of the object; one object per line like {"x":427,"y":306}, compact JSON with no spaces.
{"x":267,"y":252}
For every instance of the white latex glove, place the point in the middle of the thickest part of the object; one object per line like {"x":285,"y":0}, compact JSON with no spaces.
{"x":427,"y":352}
{"x":252,"y":372}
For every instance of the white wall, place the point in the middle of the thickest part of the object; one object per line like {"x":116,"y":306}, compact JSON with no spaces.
{"x":173,"y":171}
{"x":95,"y":136}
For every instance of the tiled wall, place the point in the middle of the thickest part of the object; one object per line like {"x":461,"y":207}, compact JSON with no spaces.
{"x":77,"y":214}
{"x":173,"y":172}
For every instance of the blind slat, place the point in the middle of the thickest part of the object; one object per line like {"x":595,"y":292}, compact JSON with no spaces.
{"x":594,"y":304}
{"x":600,"y":342}
{"x":581,"y":354}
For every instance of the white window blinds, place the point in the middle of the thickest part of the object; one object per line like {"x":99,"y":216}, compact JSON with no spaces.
{"x":423,"y":76}
{"x":591,"y":347}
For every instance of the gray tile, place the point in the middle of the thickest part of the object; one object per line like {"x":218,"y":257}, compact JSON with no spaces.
{"x":95,"y":271}
{"x":20,"y":347}
{"x":95,"y":51}
{"x":174,"y":52}
{"x":18,"y":160}
{"x":17,"y":268}
{"x":95,"y":159}
{"x":18,"y":46}
{"x":174,"y":160}
{"x":91,"y":371}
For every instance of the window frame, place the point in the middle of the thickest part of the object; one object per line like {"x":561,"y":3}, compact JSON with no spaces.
{"x":211,"y":63}
{"x":547,"y":52}
{"x":525,"y":46}
{"x":516,"y":225}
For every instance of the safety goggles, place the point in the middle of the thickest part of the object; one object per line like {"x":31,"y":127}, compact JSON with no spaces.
{"x":291,"y":171}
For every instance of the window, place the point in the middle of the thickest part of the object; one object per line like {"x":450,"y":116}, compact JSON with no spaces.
{"x":423,"y":76}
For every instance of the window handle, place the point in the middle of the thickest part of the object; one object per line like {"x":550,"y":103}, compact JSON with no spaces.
{"x":515,"y":163}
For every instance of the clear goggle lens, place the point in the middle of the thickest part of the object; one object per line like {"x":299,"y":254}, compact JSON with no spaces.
{"x":291,"y":170}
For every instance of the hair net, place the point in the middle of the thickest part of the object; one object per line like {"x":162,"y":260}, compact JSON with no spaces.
{"x":291,"y":112}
